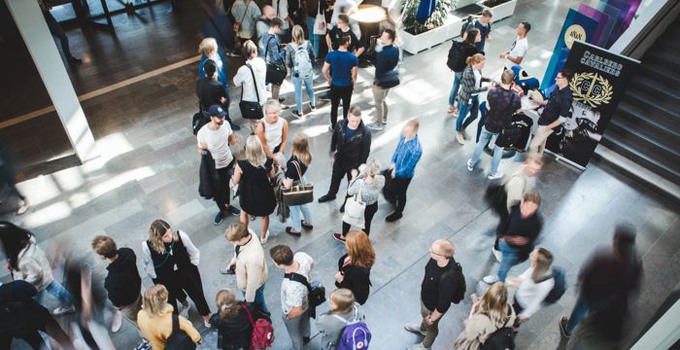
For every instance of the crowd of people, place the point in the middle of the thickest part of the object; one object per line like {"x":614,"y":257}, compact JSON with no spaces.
{"x":257,"y":170}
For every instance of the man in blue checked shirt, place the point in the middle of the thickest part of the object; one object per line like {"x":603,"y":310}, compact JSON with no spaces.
{"x":403,"y":167}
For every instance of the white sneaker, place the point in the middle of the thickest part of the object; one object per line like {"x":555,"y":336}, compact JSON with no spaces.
{"x":414,"y":328}
{"x":495,"y":176}
{"x":62,"y":310}
{"x":116,"y":321}
{"x":25,"y":204}
{"x":490,"y":279}
{"x":418,"y":346}
{"x":184,"y":310}
{"x":496,"y":254}
{"x":470,"y":166}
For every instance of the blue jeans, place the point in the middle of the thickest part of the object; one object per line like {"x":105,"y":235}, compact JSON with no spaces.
{"x":59,"y":292}
{"x":259,"y":298}
{"x":455,"y":87}
{"x":295,"y":211}
{"x":511,"y":257}
{"x":471,"y":106}
{"x":309,"y":86}
{"x":313,"y":38}
{"x":484,"y":139}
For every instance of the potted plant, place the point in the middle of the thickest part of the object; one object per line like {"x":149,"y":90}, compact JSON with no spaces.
{"x":501,"y":8}
{"x":417,"y":35}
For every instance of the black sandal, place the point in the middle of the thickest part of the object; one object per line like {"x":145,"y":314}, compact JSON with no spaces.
{"x":289,"y":230}
{"x":306,"y":225}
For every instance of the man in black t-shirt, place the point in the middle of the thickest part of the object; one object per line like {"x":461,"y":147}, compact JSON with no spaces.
{"x":555,"y":112}
{"x":436,"y":293}
{"x":343,"y":29}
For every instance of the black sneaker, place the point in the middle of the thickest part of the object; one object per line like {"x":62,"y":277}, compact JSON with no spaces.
{"x":234,"y":211}
{"x":326,"y":198}
{"x":393,"y":217}
{"x":289,"y":230}
{"x":234,"y":127}
{"x":218,"y":218}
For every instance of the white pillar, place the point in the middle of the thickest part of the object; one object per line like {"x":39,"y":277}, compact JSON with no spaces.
{"x":664,"y":333}
{"x":33,"y":28}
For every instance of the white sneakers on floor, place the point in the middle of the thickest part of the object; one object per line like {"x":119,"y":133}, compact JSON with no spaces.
{"x":116,"y":321}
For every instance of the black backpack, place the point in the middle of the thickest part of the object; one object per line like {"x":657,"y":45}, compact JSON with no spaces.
{"x":502,"y":339}
{"x":457,"y":273}
{"x":198,"y":121}
{"x":178,"y":339}
{"x":457,"y":56}
{"x":466,"y":23}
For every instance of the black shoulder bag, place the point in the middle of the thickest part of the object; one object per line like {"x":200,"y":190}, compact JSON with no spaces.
{"x":250,"y":109}
{"x":276,"y":72}
{"x":316,"y":294}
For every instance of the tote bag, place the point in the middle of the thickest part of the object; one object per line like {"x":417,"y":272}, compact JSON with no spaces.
{"x":354,"y":210}
{"x":320,"y":22}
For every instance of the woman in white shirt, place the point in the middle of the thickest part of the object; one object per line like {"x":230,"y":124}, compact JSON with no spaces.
{"x":533,"y":285}
{"x":251,"y":76}
{"x":273,"y":132}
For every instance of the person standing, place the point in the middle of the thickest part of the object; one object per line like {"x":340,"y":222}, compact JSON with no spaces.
{"x":533,"y":286}
{"x":262,"y":24}
{"x":122,"y":283}
{"x":468,"y":96}
{"x":436,"y":291}
{"x":252,"y":75}
{"x":471,"y":37}
{"x":171,"y":259}
{"x":208,"y":50}
{"x":8,"y":175}
{"x":556,"y":111}
{"x":56,"y":30}
{"x":273,"y":54}
{"x":234,"y":330}
{"x":340,"y":71}
{"x":313,"y":8}
{"x":210,"y":92}
{"x":248,"y":264}
{"x":504,"y":102}
{"x":366,"y":184}
{"x":297,"y":268}
{"x":483,"y":24}
{"x":331,"y":324}
{"x":155,"y":319}
{"x":246,"y":13}
{"x":257,"y":195}
{"x":354,"y":268}
{"x":403,"y":166}
{"x":273,"y":131}
{"x":299,"y":57}
{"x":520,"y":46}
{"x":297,"y":166}
{"x":216,"y":137}
{"x":386,"y":76}
{"x":342,"y":29}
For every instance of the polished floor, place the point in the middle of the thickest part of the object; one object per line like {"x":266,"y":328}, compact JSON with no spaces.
{"x":148,"y":169}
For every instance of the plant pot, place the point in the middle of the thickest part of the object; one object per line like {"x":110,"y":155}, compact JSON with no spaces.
{"x":423,"y":41}
{"x":502,"y":11}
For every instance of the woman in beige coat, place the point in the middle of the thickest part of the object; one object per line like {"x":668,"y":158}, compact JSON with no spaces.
{"x":489,"y":313}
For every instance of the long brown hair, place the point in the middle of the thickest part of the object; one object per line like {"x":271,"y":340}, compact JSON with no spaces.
{"x":156,"y":232}
{"x":359,"y":249}
{"x":227,"y":307}
{"x":301,"y":148}
{"x":155,"y":300}
{"x":494,"y":303}
{"x":343,"y":299}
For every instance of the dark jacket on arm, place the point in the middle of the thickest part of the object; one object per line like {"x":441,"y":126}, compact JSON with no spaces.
{"x":352,"y":151}
{"x":356,"y":278}
{"x":123,"y":282}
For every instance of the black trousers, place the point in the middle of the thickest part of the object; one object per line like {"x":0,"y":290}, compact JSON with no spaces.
{"x":223,"y":195}
{"x":32,"y":338}
{"x":399,"y":187}
{"x":369,"y":212}
{"x":337,"y":93}
{"x":188,"y":282}
{"x":340,"y":169}
{"x":56,"y":30}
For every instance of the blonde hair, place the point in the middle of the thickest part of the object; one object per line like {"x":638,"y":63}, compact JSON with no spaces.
{"x":227,"y":307}
{"x":156,"y":232}
{"x":475,"y":59}
{"x":359,"y":249}
{"x":155,"y":300}
{"x":494,"y":303}
{"x":236,"y":231}
{"x":543,"y":263}
{"x":344,"y":300}
{"x":249,"y":50}
{"x":272,"y":105}
{"x":207,"y":46}
{"x":372,"y":168}
{"x":298,"y":35}
{"x":300,"y":148}
{"x":255,"y":152}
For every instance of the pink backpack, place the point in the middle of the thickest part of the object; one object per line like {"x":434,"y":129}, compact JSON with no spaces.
{"x":263,"y":332}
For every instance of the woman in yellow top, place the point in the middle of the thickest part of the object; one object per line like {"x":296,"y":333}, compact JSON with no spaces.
{"x":155,"y":318}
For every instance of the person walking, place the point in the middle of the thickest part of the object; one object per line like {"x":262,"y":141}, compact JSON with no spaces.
{"x":211,"y":92}
{"x":234,"y":330}
{"x":386,"y":76}
{"x":366,"y":184}
{"x":331,"y":324}
{"x":468,"y":96}
{"x":504,"y":102}
{"x":248,"y":264}
{"x":350,"y":146}
{"x":354,"y":268}
{"x":296,"y":168}
{"x":252,"y":75}
{"x":436,"y":291}
{"x":122,"y":283}
{"x":246,"y":13}
{"x":8,"y":176}
{"x":155,"y":319}
{"x":471,"y":38}
{"x":171,"y":259}
{"x":27,"y":262}
{"x":556,"y":111}
{"x":274,"y":54}
{"x":299,"y":57}
{"x":488,"y":314}
{"x":254,"y":173}
{"x":297,"y":270}
{"x":56,"y":30}
{"x":340,"y":70}
{"x":273,"y":131}
{"x":533,"y":285}
{"x":216,"y":137}
{"x":520,"y":46}
{"x":403,"y":166}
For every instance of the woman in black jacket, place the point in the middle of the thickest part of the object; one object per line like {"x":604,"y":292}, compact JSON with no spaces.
{"x":231,"y":321}
{"x":471,"y":37}
{"x":354,"y":268}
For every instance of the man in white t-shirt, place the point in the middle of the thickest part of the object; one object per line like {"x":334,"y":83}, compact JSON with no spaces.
{"x":519,"y":48}
{"x":215,"y":137}
{"x":294,"y":301}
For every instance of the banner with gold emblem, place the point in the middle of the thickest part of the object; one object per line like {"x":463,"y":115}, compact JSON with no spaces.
{"x":600,"y":80}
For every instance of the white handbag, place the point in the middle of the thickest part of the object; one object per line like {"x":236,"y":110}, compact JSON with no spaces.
{"x":320,"y":22}
{"x":354,"y":209}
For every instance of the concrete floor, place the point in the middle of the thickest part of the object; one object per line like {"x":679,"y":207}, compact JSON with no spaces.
{"x":149,"y":169}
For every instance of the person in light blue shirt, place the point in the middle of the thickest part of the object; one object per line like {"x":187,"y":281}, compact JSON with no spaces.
{"x":404,"y":161}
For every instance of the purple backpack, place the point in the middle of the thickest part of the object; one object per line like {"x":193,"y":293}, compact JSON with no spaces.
{"x":355,"y":336}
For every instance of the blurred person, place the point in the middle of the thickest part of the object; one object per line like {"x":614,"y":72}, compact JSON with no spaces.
{"x":27,"y":262}
{"x":350,"y":146}
{"x":488,"y":314}
{"x":22,"y":317}
{"x":155,"y":318}
{"x":403,"y":166}
{"x":344,"y":7}
{"x":503,"y":103}
{"x":354,"y":268}
{"x":231,"y":320}
{"x":252,"y":75}
{"x":436,"y":291}
{"x":340,"y":71}
{"x":483,"y":24}
{"x":56,"y":30}
{"x":297,"y":270}
{"x":331,"y":324}
{"x":367,"y":184}
{"x":211,"y":92}
{"x":273,"y":131}
{"x":246,"y":13}
{"x":171,"y":259}
{"x":248,"y":264}
{"x":470,"y":38}
{"x":605,"y":281}
{"x":123,"y":283}
{"x":262,"y":24}
{"x":313,"y":8}
{"x":386,"y":76}
{"x":254,"y":173}
{"x":343,"y":29}
{"x":520,"y":46}
{"x":468,"y":96}
{"x":533,"y":286}
{"x":218,"y":24}
{"x":299,"y":57}
{"x":557,"y":110}
{"x":8,"y":175}
{"x":273,"y":53}
{"x":296,"y":168}
{"x":283,"y":12}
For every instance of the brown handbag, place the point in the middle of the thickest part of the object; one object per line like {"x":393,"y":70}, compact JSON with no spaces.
{"x":299,"y":194}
